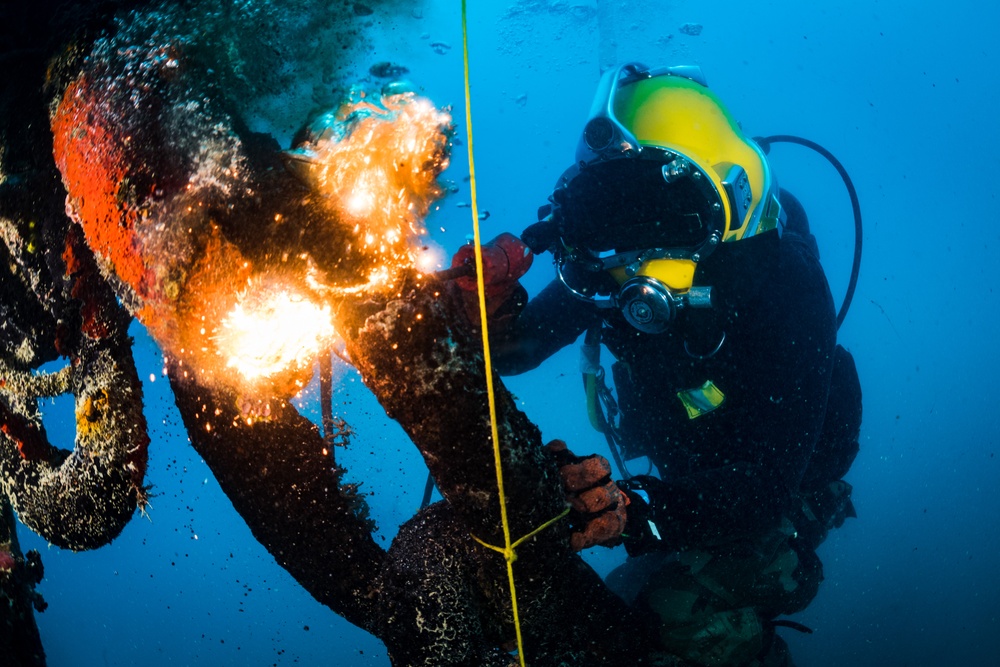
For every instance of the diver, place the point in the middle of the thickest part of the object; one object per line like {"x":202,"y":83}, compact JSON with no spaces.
{"x":676,"y":250}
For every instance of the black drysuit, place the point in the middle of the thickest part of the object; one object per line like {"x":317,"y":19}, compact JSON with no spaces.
{"x":734,"y":471}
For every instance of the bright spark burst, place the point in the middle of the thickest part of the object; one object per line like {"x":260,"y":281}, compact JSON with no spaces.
{"x":377,"y":160}
{"x":269,"y":331}
{"x":430,"y":258}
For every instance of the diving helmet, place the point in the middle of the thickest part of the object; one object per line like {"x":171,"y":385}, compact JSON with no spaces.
{"x":663,"y":175}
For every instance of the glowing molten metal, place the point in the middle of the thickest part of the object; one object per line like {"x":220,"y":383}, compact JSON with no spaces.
{"x":271,"y":331}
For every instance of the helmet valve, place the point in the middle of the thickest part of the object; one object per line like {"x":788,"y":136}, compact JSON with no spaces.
{"x":676,"y":169}
{"x":650,"y":306}
{"x":699,"y":297}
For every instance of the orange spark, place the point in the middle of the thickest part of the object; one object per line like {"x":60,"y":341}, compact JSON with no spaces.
{"x":376,"y":163}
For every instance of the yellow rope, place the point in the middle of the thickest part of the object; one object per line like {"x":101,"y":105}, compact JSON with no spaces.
{"x":508,"y":548}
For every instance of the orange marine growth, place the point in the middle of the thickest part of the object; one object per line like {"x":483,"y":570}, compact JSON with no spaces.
{"x":91,"y":155}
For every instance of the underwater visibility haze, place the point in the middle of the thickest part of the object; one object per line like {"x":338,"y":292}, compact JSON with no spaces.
{"x":903,"y":93}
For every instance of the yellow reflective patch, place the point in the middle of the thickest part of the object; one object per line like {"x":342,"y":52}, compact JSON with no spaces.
{"x":701,"y":400}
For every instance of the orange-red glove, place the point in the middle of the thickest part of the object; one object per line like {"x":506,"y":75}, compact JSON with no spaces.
{"x":505,"y":260}
{"x":598,"y":505}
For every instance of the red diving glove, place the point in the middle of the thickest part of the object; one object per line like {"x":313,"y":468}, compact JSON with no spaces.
{"x":598,"y":505}
{"x":505,"y":260}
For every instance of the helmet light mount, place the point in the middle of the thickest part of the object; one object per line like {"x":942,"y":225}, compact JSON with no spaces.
{"x":604,"y":135}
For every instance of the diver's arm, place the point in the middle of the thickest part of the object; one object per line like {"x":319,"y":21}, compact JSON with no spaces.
{"x":549,"y":322}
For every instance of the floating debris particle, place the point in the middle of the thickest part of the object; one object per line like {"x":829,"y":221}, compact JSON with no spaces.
{"x":387,"y":70}
{"x":485,"y":215}
{"x":693,"y":29}
{"x":441,"y":48}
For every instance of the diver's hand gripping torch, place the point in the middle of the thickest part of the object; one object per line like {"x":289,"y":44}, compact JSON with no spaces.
{"x":505,"y":259}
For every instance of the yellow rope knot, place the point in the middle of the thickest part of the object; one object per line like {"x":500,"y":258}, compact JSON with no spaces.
{"x":510,"y":553}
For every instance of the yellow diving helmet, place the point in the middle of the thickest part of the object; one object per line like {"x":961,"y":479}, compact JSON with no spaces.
{"x":663,"y":175}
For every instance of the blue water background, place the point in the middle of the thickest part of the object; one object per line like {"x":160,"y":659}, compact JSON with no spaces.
{"x":904,"y":92}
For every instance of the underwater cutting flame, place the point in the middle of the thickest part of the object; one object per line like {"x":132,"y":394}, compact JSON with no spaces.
{"x":377,"y":163}
{"x":270,"y":332}
{"x":430,"y":258}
